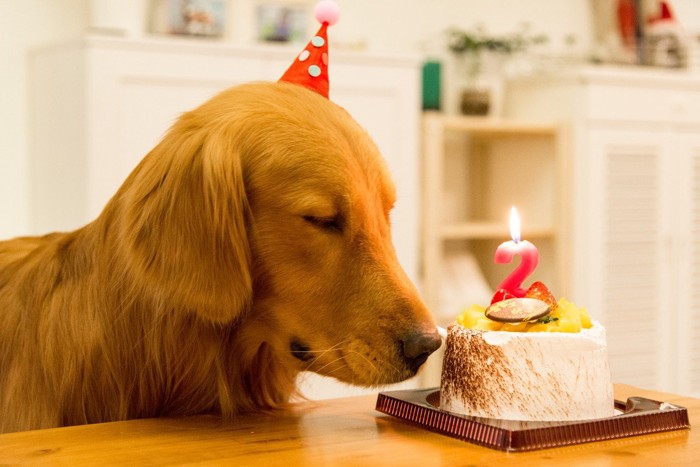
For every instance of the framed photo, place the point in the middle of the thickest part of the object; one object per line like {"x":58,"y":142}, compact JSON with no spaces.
{"x":206,"y":18}
{"x":282,"y":21}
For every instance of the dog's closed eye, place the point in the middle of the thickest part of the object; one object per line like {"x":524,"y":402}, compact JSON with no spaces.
{"x":330,"y":223}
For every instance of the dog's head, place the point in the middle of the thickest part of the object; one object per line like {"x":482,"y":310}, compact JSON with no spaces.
{"x":290,"y":235}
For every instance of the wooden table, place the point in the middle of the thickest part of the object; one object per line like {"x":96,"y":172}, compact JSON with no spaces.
{"x":334,"y":432}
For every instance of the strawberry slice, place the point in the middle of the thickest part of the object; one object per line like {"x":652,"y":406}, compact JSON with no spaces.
{"x":540,"y":291}
{"x":500,"y":295}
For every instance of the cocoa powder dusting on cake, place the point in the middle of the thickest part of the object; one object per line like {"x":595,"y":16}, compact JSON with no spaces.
{"x":471,"y":367}
{"x":516,"y":378}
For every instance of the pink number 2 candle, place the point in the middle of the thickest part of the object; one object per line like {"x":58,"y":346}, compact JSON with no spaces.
{"x":529,"y":257}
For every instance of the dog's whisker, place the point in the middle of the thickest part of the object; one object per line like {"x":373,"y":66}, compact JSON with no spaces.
{"x":325,"y":352}
{"x":365,"y":358}
{"x":341,"y":346}
{"x":336,"y":347}
{"x":321,"y":352}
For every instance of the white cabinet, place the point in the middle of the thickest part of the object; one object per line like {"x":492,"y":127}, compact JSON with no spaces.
{"x":687,"y":255}
{"x":100,"y":104}
{"x":635,"y":147}
{"x":626,"y":262}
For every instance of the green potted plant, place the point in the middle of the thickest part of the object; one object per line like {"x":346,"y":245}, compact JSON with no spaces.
{"x":474,"y":51}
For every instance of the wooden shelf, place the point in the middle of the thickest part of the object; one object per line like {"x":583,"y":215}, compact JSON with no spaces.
{"x":488,"y":180}
{"x":490,"y":230}
{"x":485,"y":126}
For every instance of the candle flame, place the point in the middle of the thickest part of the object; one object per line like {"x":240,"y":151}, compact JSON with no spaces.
{"x":514,"y":225}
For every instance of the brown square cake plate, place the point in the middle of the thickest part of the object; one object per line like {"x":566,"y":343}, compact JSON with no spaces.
{"x":637,"y":416}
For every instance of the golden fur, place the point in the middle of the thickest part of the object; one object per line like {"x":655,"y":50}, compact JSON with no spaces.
{"x":255,"y":233}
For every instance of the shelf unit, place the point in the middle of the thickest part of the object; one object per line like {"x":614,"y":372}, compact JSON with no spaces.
{"x":474,"y":169}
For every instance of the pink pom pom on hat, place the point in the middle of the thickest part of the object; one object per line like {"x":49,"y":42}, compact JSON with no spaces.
{"x":310,"y":69}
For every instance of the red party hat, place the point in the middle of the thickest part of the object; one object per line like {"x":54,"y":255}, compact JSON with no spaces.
{"x":310,"y":68}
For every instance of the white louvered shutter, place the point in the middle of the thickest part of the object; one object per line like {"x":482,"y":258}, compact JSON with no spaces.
{"x":687,"y":324}
{"x":627,"y":277}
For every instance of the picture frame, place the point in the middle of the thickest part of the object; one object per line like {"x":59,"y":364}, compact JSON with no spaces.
{"x":282,"y":21}
{"x":201,"y":18}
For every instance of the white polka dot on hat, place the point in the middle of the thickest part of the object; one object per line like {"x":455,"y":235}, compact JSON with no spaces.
{"x":310,"y":69}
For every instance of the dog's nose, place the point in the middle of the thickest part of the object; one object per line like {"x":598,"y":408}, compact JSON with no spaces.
{"x":417,"y":347}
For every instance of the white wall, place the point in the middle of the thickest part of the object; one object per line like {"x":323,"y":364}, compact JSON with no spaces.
{"x":408,"y":25}
{"x":381,"y":25}
{"x":25,"y":24}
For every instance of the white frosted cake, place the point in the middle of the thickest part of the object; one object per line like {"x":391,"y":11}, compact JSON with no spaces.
{"x":556,"y":371}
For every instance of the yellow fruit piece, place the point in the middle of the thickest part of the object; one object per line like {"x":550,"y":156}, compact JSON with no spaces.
{"x":585,"y":318}
{"x":514,"y":327}
{"x":568,"y":325}
{"x":485,"y":324}
{"x":469,"y":317}
{"x":538,"y":327}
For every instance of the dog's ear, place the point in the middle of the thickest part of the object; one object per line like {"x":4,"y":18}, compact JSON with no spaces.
{"x":185,"y":228}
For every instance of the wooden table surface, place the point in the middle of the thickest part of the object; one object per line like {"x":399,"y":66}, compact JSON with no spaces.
{"x":332,"y":432}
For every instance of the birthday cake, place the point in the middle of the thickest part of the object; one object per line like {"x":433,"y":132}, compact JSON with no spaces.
{"x":526,"y":356}
{"x":551,"y":369}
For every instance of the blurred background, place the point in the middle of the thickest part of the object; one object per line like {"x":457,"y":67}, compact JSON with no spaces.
{"x":584,"y":114}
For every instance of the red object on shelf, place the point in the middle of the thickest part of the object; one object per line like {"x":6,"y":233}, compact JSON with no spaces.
{"x":627,"y":23}
{"x":664,"y":15}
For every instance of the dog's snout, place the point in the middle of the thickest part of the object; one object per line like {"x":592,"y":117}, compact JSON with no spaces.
{"x":417,"y":348}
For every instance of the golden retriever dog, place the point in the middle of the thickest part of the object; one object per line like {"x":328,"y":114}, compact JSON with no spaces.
{"x":252,"y":243}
